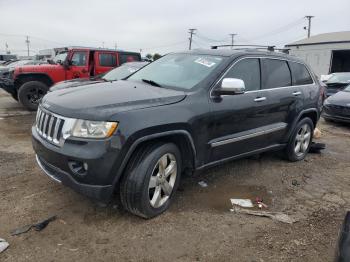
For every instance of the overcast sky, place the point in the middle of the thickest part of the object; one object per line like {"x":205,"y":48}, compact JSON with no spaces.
{"x":162,"y":25}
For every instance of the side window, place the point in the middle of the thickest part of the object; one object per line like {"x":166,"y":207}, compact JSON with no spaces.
{"x":107,"y":59}
{"x":79,"y":58}
{"x":275,"y":73}
{"x":247,"y":70}
{"x":301,"y":75}
{"x":124,"y":58}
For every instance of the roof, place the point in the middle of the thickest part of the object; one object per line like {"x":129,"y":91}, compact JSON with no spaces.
{"x":327,"y":38}
{"x":59,"y":49}
{"x":238,"y":52}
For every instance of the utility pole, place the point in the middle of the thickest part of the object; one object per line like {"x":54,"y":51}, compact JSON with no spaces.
{"x":191,"y":32}
{"x":27,"y":42}
{"x":232,"y":41}
{"x":309,"y":17}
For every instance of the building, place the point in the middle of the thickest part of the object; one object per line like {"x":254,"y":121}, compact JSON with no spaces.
{"x":325,"y":53}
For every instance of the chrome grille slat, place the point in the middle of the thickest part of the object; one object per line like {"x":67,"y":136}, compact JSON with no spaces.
{"x":47,"y":116}
{"x":40,"y":122}
{"x":58,"y":122}
{"x":49,"y":126}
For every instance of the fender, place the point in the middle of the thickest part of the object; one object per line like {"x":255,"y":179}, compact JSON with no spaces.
{"x":32,"y":76}
{"x":150,"y":137}
{"x":296,"y":120}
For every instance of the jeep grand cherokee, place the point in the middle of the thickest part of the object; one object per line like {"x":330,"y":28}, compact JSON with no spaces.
{"x":185,"y":111}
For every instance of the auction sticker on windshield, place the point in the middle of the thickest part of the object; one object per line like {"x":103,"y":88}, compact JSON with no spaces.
{"x":204,"y":61}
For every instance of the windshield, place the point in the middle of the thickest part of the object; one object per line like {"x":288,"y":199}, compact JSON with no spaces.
{"x":182,"y":71}
{"x":119,"y":73}
{"x":339,"y":78}
{"x":61,"y":56}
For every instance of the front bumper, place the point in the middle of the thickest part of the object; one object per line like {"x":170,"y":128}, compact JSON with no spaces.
{"x":99,"y":156}
{"x":93,"y":191}
{"x":336,"y":117}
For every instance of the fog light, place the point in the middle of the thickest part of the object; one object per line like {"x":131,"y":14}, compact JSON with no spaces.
{"x":78,"y":168}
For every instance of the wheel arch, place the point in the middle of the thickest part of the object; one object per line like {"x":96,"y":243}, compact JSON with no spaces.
{"x":23,"y":78}
{"x":180,"y":138}
{"x":312,"y":113}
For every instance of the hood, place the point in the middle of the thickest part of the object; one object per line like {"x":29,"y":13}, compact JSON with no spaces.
{"x":341,"y":98}
{"x":37,"y":68}
{"x":103,"y":100}
{"x":74,"y":83}
{"x":337,"y":84}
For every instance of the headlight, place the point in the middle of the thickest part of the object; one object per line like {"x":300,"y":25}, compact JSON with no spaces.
{"x":93,"y":129}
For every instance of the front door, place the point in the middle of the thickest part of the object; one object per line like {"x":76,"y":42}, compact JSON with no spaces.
{"x":238,"y":119}
{"x":79,"y":65}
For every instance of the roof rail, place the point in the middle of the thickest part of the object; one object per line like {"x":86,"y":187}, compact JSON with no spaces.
{"x":268,"y":47}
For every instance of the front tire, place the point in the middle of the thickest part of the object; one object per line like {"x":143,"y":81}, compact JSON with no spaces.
{"x":151,"y":180}
{"x":30,"y":93}
{"x":300,"y":141}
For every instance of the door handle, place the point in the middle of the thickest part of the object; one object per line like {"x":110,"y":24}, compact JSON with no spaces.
{"x":260,"y":99}
{"x":297,"y":93}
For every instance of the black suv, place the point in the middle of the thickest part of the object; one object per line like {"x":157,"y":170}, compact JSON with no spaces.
{"x":185,"y":111}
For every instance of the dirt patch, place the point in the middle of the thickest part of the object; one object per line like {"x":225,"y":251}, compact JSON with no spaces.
{"x":198,"y":226}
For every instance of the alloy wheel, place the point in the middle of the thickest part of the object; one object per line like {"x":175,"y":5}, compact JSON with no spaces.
{"x":302,"y":140}
{"x":162,"y":180}
{"x":34,"y":95}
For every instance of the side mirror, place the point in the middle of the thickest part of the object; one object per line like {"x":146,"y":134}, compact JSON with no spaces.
{"x":230,"y":86}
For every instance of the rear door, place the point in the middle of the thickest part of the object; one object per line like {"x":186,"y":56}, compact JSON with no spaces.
{"x":79,"y":64}
{"x":303,"y":80}
{"x":283,"y":100}
{"x":105,"y":61}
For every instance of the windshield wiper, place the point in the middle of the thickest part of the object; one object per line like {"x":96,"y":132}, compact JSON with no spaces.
{"x":151,"y":82}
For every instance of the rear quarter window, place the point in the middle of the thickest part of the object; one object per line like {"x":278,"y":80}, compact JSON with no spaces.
{"x":301,"y":75}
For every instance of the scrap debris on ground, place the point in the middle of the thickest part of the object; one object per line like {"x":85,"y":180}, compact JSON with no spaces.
{"x":3,"y":245}
{"x":37,"y":226}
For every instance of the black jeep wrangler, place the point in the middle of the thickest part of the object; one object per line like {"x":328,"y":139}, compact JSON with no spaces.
{"x":185,"y":111}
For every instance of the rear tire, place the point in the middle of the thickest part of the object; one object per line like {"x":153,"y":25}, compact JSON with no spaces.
{"x":30,"y":93}
{"x":151,"y":180}
{"x":300,"y":140}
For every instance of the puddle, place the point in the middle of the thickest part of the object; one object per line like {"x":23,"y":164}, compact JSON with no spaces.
{"x":217,"y":196}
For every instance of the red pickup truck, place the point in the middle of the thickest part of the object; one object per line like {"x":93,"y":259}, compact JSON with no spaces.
{"x":29,"y":84}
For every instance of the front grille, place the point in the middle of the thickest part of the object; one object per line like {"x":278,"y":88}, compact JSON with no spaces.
{"x":339,"y":110}
{"x":49,"y":126}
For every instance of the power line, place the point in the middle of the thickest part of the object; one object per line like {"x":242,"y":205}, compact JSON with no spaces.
{"x":210,"y":40}
{"x":279,"y":30}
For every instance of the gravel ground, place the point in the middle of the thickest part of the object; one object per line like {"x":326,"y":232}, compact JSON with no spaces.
{"x":198,"y":226}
